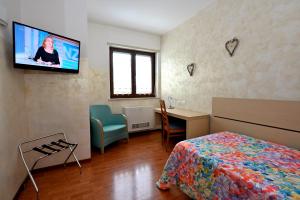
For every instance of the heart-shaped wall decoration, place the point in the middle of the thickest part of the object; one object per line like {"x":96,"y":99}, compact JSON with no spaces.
{"x":231,"y":46}
{"x":191,"y":68}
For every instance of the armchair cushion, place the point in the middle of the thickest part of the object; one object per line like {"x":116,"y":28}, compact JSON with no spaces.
{"x":109,"y":129}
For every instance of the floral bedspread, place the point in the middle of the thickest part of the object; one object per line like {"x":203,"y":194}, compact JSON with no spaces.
{"x":231,"y":166}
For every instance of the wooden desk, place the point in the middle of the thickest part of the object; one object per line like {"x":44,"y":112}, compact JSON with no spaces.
{"x":197,"y":123}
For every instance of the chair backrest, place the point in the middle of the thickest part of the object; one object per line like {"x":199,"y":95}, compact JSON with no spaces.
{"x":164,"y":116}
{"x":101,"y":112}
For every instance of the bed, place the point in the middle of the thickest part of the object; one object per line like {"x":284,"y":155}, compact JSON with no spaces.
{"x":231,"y":165}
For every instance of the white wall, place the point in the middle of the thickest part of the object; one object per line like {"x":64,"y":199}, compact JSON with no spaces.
{"x":100,"y":35}
{"x":40,"y":103}
{"x":55,"y":102}
{"x":37,"y":103}
{"x":67,"y":18}
{"x":75,"y":15}
{"x":98,"y":52}
{"x":13,"y":124}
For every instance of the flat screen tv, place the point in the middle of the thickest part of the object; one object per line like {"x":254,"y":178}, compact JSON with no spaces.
{"x":42,"y":50}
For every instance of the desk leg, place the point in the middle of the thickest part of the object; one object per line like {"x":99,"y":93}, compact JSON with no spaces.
{"x":158,"y":119}
{"x":197,"y":127}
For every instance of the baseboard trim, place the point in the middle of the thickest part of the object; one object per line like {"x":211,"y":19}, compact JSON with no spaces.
{"x":21,"y":187}
{"x":144,"y":131}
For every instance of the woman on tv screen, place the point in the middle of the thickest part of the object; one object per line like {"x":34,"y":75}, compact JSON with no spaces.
{"x":42,"y":50}
{"x":46,"y":54}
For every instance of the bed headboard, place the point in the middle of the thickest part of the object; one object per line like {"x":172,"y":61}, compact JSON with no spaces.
{"x":271,"y":120}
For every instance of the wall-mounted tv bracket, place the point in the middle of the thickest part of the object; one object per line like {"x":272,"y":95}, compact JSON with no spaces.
{"x":46,"y":150}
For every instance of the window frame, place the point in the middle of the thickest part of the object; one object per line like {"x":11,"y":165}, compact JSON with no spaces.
{"x":133,"y":53}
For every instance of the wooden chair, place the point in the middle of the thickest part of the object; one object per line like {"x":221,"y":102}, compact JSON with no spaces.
{"x":169,"y":131}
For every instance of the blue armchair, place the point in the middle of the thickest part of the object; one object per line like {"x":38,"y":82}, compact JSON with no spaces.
{"x":106,"y":127}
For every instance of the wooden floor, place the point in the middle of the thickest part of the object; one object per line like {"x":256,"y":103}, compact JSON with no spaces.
{"x":124,"y":171}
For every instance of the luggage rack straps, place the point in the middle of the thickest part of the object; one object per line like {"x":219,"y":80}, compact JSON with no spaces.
{"x":58,"y":144}
{"x":38,"y":149}
{"x":67,"y":143}
{"x":46,"y":146}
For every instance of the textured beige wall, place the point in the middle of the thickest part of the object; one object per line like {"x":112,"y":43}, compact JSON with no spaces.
{"x":58,"y":102}
{"x":13,"y":126}
{"x":265,"y":65}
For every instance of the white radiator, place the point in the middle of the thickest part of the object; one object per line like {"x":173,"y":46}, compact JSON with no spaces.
{"x":139,"y":118}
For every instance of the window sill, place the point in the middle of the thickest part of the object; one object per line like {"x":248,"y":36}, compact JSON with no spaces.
{"x":130,"y":99}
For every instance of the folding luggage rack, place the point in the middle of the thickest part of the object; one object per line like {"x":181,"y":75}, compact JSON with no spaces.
{"x":46,"y":150}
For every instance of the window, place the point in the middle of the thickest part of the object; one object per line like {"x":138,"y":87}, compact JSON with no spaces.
{"x":132,"y":73}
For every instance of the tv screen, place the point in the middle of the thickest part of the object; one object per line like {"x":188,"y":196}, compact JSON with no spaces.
{"x":42,"y":50}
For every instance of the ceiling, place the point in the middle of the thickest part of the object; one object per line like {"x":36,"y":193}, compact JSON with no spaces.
{"x":152,"y":16}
